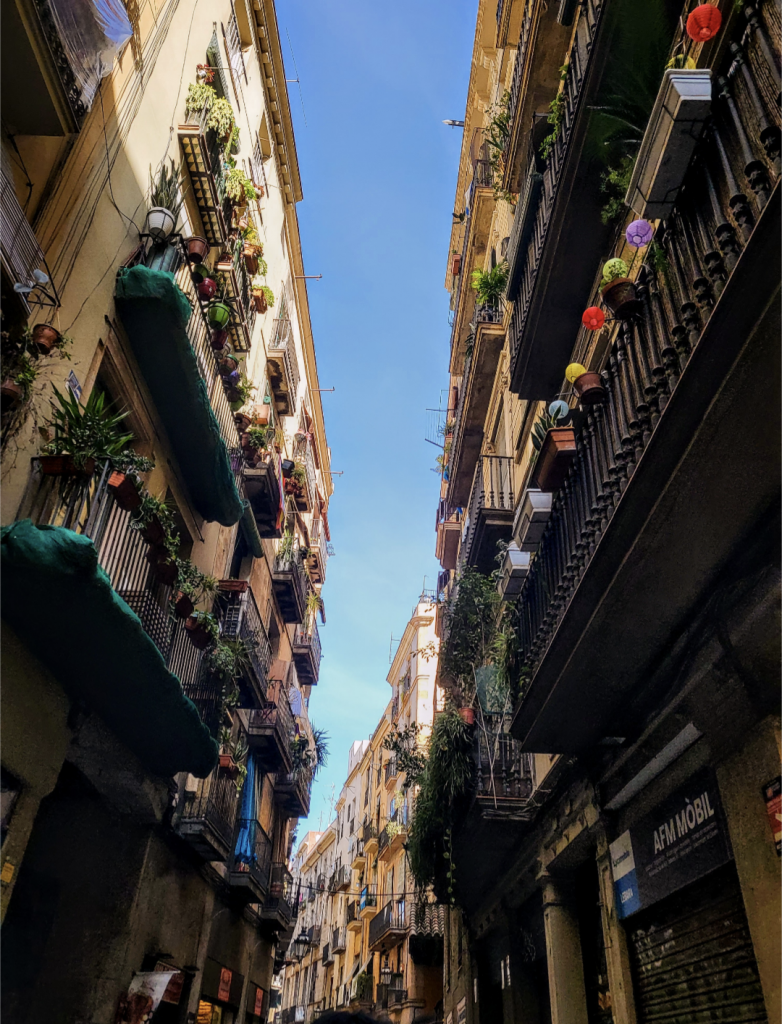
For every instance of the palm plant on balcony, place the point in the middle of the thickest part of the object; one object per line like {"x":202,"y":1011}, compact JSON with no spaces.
{"x":490,"y":284}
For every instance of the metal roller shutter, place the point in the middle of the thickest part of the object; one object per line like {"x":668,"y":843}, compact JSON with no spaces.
{"x":693,"y":958}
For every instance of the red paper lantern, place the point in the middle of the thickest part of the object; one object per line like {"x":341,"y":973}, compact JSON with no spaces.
{"x":593,"y":318}
{"x":704,"y":23}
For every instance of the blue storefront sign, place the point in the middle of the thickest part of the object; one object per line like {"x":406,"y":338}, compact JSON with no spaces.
{"x":682,"y":840}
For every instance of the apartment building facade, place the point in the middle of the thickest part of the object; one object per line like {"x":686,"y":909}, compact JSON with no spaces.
{"x":156,"y":743}
{"x":626,"y":865}
{"x":370,"y":943}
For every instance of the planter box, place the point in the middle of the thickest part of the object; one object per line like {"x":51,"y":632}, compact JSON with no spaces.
{"x":678,"y":117}
{"x":531,"y":518}
{"x":554,"y":458}
{"x":515,"y":566}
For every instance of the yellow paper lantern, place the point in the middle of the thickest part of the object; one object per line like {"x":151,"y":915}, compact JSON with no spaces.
{"x":573,"y":372}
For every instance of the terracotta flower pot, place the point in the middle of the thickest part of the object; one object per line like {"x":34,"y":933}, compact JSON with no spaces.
{"x":233,"y":586}
{"x":45,"y":338}
{"x":125,"y":492}
{"x":65,"y":465}
{"x":197,"y":632}
{"x":183,"y":606}
{"x":153,"y":532}
{"x":11,"y":393}
{"x":467,"y":715}
{"x":554,"y":458}
{"x":590,"y":389}
{"x":622,"y":299}
{"x":197,"y":249}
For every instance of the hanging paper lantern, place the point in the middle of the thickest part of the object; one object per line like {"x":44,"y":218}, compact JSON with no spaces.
{"x":639,"y":233}
{"x":593,"y":318}
{"x":574,"y":371}
{"x":704,"y":23}
{"x":559,"y":409}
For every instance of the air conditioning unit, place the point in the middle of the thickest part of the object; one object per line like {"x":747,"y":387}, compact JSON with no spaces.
{"x":678,"y":118}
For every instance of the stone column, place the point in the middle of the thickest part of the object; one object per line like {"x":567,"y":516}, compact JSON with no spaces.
{"x":620,"y":982}
{"x":741,"y":778}
{"x":563,"y":953}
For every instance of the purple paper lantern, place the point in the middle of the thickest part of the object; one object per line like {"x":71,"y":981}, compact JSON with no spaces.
{"x":639,"y":233}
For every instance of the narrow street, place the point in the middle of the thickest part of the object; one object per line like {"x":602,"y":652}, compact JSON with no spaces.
{"x":285,"y":284}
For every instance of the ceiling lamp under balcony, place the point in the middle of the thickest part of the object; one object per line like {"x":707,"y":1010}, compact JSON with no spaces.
{"x":704,"y":23}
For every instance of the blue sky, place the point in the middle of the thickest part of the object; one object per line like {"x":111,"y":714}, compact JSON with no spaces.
{"x":378,"y":174}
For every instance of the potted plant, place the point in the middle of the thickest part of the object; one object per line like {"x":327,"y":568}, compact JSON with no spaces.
{"x":555,"y":446}
{"x":197,"y":250}
{"x":82,"y":434}
{"x":203,"y":629}
{"x":123,"y":481}
{"x":167,"y":198}
{"x":618,"y":290}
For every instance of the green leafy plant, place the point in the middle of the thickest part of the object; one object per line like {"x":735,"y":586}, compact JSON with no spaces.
{"x":490,"y":284}
{"x":92,"y":430}
{"x":168,"y":189}
{"x":221,"y":116}
{"x":200,"y":96}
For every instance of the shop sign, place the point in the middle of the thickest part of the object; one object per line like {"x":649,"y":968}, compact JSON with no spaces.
{"x":224,"y":989}
{"x":682,"y":840}
{"x":772,"y":794}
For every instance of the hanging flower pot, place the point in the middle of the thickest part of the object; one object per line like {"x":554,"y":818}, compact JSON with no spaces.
{"x":160,"y":223}
{"x":200,"y":273}
{"x":207,"y":289}
{"x":704,"y":23}
{"x":126,"y":493}
{"x":233,"y":586}
{"x":197,"y":249}
{"x":218,"y":314}
{"x":163,"y":566}
{"x":183,"y":606}
{"x":590,"y":389}
{"x":554,"y":458}
{"x":45,"y":338}
{"x":218,"y":340}
{"x":621,"y":298}
{"x":66,"y":465}
{"x":11,"y":393}
{"x":199,"y":635}
{"x":467,"y":715}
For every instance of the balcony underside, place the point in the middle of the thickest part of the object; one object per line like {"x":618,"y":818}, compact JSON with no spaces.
{"x":705,"y":482}
{"x":491,"y":525}
{"x":467,"y":444}
{"x":263,"y":492}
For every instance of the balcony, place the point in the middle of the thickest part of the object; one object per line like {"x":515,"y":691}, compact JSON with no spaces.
{"x":290,"y":584}
{"x":367,"y":903}
{"x":292,"y":792}
{"x":278,"y":907}
{"x":391,"y":772}
{"x":354,"y":922}
{"x":319,"y":551}
{"x":262,"y":486}
{"x":240,"y":620}
{"x":249,"y":874}
{"x":480,"y":369}
{"x":388,"y":928}
{"x":208,"y":818}
{"x":662,"y":476}
{"x":490,"y":512}
{"x":449,"y":529}
{"x":282,"y":365}
{"x":339,"y":940}
{"x":306,"y":653}
{"x":327,"y":956}
{"x":567,"y":219}
{"x":270,"y":728}
{"x":203,"y":154}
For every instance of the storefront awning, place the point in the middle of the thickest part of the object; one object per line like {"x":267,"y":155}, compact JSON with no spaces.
{"x":60,"y":603}
{"x":155,"y":314}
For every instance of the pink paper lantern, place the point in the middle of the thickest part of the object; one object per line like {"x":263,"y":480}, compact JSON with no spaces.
{"x":593,"y":318}
{"x":639,"y":233}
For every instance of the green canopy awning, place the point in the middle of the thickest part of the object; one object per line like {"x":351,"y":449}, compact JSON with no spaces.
{"x":155,"y":313}
{"x":62,"y":606}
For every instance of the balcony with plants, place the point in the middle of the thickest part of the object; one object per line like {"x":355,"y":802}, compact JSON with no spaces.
{"x":84,"y":540}
{"x":665,"y":367}
{"x":484,"y":344}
